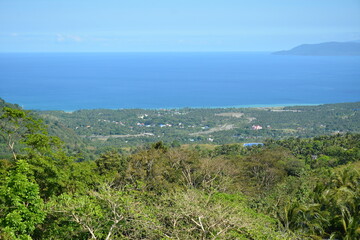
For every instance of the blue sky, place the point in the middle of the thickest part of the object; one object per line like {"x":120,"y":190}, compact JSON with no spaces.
{"x":173,"y":25}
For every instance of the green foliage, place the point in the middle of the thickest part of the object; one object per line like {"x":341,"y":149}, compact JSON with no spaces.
{"x":112,"y":166}
{"x":134,"y":127}
{"x":339,"y":197}
{"x":20,"y":204}
{"x":17,"y":125}
{"x":107,"y":213}
{"x":192,"y":214}
{"x":293,"y":188}
{"x":318,"y":205}
{"x":268,"y":167}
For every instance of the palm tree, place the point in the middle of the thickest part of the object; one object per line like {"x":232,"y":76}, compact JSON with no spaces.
{"x":341,"y":196}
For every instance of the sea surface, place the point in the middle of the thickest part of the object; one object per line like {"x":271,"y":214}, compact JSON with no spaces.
{"x":71,"y":81}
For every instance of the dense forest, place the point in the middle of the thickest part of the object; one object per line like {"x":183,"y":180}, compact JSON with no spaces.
{"x":305,"y":185}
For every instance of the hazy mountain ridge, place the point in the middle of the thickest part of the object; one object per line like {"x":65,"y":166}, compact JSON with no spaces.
{"x":324,"y":49}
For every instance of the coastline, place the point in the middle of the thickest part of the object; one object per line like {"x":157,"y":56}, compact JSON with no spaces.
{"x":196,"y":107}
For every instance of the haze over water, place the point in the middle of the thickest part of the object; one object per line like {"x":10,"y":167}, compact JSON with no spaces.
{"x":71,"y":81}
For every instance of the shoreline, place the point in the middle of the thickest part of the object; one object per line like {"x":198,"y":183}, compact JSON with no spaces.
{"x":196,"y":107}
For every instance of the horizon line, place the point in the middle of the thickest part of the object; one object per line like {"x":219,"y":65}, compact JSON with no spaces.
{"x":225,"y":51}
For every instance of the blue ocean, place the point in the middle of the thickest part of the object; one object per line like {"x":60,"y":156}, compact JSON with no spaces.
{"x":71,"y":81}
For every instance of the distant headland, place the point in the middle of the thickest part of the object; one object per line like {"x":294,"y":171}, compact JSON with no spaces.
{"x":324,"y":49}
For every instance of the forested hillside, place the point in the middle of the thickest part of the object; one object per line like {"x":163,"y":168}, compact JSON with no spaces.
{"x":293,"y":188}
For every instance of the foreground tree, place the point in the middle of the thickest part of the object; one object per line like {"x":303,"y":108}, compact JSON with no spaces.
{"x":108,"y":213}
{"x":340,"y":196}
{"x":20,"y":204}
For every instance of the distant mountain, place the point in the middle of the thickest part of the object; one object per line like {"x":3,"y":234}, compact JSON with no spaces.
{"x":325,"y":49}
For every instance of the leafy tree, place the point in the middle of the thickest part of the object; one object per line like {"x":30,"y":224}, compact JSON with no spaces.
{"x":267,"y":168}
{"x":15,"y":125}
{"x":191,"y":214}
{"x":108,"y":213}
{"x":20,"y":204}
{"x":112,"y":166}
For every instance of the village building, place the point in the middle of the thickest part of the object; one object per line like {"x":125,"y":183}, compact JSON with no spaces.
{"x":256,"y":127}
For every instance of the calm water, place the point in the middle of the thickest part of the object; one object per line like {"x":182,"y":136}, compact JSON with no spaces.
{"x":71,"y":81}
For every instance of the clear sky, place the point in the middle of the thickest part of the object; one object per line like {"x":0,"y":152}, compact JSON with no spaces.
{"x":174,"y":25}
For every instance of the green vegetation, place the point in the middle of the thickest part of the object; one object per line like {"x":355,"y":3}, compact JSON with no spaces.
{"x":289,"y":188}
{"x":102,"y":128}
